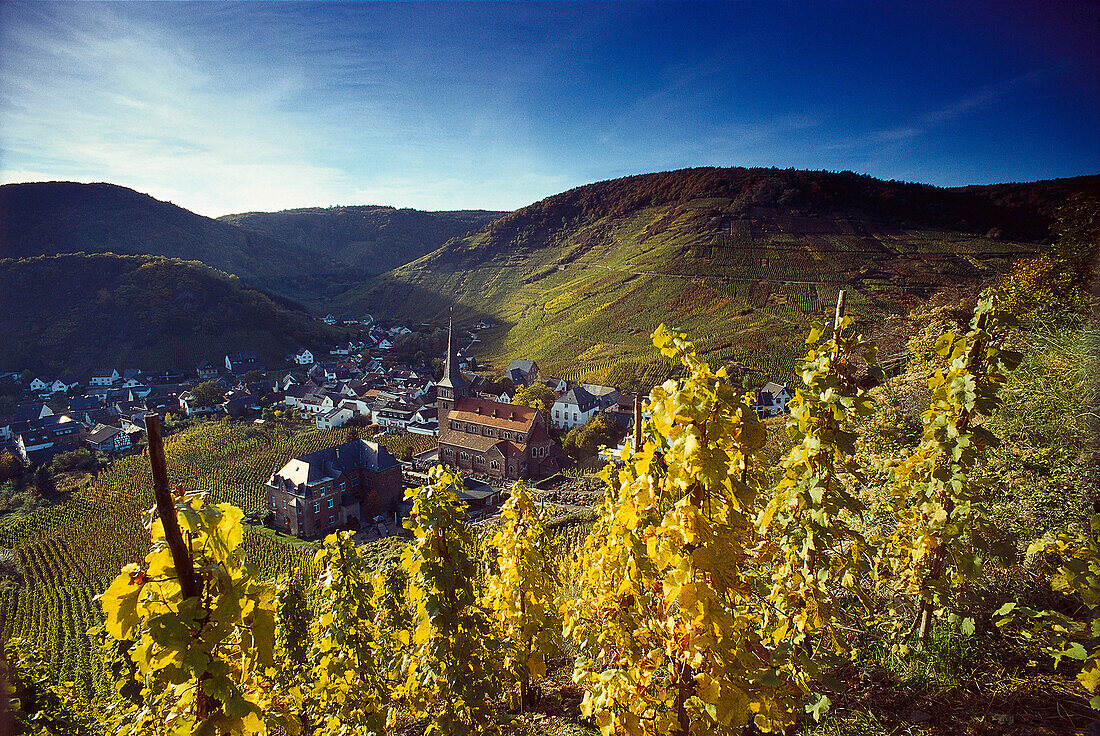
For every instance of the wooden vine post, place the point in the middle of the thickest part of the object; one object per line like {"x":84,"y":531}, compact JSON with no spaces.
{"x":166,"y":510}
{"x":190,"y":586}
{"x":637,"y":423}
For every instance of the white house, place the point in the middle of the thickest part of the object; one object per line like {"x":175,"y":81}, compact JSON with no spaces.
{"x":606,"y":395}
{"x":425,"y":421}
{"x":303,"y":357}
{"x":557,"y":385}
{"x":573,"y":408}
{"x":104,"y":378}
{"x":190,"y":407}
{"x":336,"y":417}
{"x":41,"y":384}
{"x":385,"y":345}
{"x":521,"y":371}
{"x":108,"y":439}
{"x":773,"y":399}
{"x":329,"y":319}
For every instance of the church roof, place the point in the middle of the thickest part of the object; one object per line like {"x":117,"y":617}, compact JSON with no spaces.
{"x":493,"y":414}
{"x":452,"y":376}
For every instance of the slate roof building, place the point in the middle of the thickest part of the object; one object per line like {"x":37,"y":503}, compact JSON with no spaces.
{"x":104,"y":438}
{"x":340,"y":487}
{"x":522,"y":372}
{"x":239,"y":363}
{"x":574,"y":407}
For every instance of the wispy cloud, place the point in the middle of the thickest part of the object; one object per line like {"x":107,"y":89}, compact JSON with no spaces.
{"x":940,"y":117}
{"x":224,"y":107}
{"x":91,"y":94}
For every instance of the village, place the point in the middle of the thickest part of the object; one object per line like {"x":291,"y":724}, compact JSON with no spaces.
{"x":494,"y":428}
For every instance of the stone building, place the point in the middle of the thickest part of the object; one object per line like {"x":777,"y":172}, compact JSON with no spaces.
{"x":341,"y":487}
{"x":489,"y":438}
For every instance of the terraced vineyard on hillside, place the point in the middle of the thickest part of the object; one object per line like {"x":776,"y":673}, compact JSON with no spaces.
{"x":584,"y":302}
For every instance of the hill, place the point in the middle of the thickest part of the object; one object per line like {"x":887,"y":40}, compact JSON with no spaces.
{"x":365,"y":238}
{"x":78,"y":312}
{"x":47,"y":218}
{"x":741,"y":258}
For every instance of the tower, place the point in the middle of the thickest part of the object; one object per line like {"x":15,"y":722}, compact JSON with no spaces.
{"x":452,"y":386}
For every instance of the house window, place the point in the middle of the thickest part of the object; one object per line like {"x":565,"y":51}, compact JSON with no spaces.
{"x":274,"y":504}
{"x":316,"y":508}
{"x":330,"y":503}
{"x":557,"y":414}
{"x":332,"y":519}
{"x":574,"y":416}
{"x":494,"y":465}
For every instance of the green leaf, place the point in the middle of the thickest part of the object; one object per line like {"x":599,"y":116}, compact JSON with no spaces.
{"x":820,"y":707}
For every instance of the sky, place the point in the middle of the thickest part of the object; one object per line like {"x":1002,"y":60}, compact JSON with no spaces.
{"x":234,"y":107}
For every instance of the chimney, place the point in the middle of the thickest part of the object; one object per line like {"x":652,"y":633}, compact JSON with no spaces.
{"x":479,"y":408}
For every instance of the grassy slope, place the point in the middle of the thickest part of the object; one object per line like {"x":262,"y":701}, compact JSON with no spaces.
{"x":580,"y":280}
{"x":79,"y":312}
{"x":366,"y":238}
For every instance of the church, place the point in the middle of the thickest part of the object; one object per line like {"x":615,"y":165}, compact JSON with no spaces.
{"x":483,"y":437}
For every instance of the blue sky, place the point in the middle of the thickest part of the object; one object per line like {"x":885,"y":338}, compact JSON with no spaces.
{"x":260,"y":106}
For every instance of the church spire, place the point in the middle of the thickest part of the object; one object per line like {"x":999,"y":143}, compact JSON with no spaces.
{"x":452,"y":376}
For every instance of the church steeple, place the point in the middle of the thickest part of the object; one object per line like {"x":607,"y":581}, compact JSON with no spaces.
{"x":453,"y":385}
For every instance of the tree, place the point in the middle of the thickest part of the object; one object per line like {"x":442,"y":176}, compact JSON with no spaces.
{"x":69,"y":462}
{"x":1056,"y":284}
{"x":584,"y":441}
{"x":44,"y":482}
{"x":537,"y":395}
{"x":810,"y":550}
{"x":1059,"y":635}
{"x":10,"y":468}
{"x":292,"y":636}
{"x":252,"y":377}
{"x":208,"y":393}
{"x":941,"y":507}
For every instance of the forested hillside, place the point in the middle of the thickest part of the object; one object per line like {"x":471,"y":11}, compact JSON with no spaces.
{"x":47,"y":218}
{"x":366,"y":239}
{"x":737,"y":257}
{"x":70,"y":313}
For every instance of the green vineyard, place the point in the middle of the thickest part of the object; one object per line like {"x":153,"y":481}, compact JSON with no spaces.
{"x":583,"y":301}
{"x":56,"y":560}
